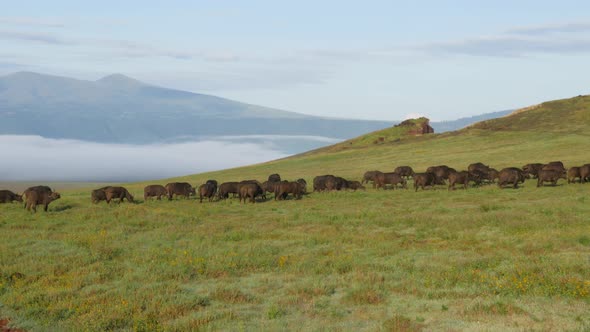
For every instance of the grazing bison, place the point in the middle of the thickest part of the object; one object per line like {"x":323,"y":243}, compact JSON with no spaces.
{"x":370,"y":176}
{"x":207,"y":190}
{"x":227,"y":188}
{"x":7,"y":196}
{"x":40,"y":189}
{"x":154,"y":190}
{"x":180,"y":189}
{"x":213,"y":182}
{"x":98,"y":195}
{"x":550,"y":176}
{"x":319,"y":182}
{"x":383,"y":179}
{"x":441,"y":173}
{"x":119,"y":193}
{"x":285,"y":187}
{"x":269,"y":187}
{"x":510,"y":175}
{"x":531,"y":170}
{"x":274,"y":178}
{"x":572,"y":174}
{"x":355,"y":185}
{"x":335,"y":183}
{"x":463,"y":178}
{"x":35,"y":198}
{"x":249,"y":190}
{"x":405,"y":171}
{"x":422,"y":180}
{"x":556,"y":166}
{"x":478,"y":167}
{"x":585,"y":173}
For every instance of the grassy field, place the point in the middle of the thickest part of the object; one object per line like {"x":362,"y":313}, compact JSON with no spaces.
{"x":476,"y":259}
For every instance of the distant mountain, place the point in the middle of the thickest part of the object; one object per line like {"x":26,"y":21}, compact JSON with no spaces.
{"x":119,"y":109}
{"x":444,"y":126}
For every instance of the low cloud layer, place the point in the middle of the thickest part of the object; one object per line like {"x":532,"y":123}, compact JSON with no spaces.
{"x":34,"y":158}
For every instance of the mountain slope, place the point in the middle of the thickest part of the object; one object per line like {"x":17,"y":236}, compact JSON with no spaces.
{"x":520,"y":138}
{"x":120,"y":109}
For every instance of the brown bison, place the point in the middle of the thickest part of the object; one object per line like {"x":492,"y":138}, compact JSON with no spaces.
{"x":98,"y":195}
{"x":336,"y":183}
{"x":303,"y":183}
{"x":249,"y":190}
{"x":441,"y":173}
{"x":180,"y":189}
{"x":154,"y":190}
{"x":422,"y":180}
{"x":40,"y":189}
{"x":556,"y":166}
{"x":118,"y":193}
{"x":550,"y":176}
{"x":572,"y":174}
{"x":207,"y":190}
{"x":7,"y":196}
{"x":383,"y":179}
{"x":463,"y":178}
{"x":285,"y":187}
{"x":355,"y":185}
{"x":370,"y":177}
{"x":404,"y":171}
{"x":479,"y":167}
{"x":492,"y":175}
{"x":274,"y":178}
{"x":585,"y":173}
{"x":510,"y":175}
{"x":227,"y":188}
{"x":269,"y":187}
{"x":531,"y":170}
{"x":35,"y":198}
{"x":319,"y":182}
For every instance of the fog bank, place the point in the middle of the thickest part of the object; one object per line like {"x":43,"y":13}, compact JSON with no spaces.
{"x":34,"y":158}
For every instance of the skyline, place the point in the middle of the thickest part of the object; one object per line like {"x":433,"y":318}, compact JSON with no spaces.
{"x":379,"y":61}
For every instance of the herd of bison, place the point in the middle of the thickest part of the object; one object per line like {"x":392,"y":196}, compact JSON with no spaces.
{"x":477,"y":173}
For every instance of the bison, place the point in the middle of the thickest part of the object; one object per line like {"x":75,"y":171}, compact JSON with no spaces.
{"x":531,"y":170}
{"x":550,"y":176}
{"x":422,"y":180}
{"x":98,"y":195}
{"x":585,"y":173}
{"x":40,"y":189}
{"x":510,"y":175}
{"x":180,"y":189}
{"x":572,"y":174}
{"x":7,"y":196}
{"x":355,"y":185}
{"x":207,"y":190}
{"x":303,"y":183}
{"x":441,"y":173}
{"x":119,"y":193}
{"x":478,"y":167}
{"x":227,"y":188}
{"x":404,"y":171}
{"x":285,"y":187}
{"x":154,"y":190}
{"x":463,"y":178}
{"x":249,"y":190}
{"x":274,"y":178}
{"x":35,"y":198}
{"x":319,"y":182}
{"x":383,"y":179}
{"x":370,"y":176}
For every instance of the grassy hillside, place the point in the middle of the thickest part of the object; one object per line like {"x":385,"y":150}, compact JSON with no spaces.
{"x":480,"y":259}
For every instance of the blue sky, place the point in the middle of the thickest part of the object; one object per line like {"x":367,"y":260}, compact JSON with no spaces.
{"x":373,"y":59}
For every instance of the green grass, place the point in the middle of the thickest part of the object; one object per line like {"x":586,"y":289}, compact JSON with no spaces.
{"x":476,"y":259}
